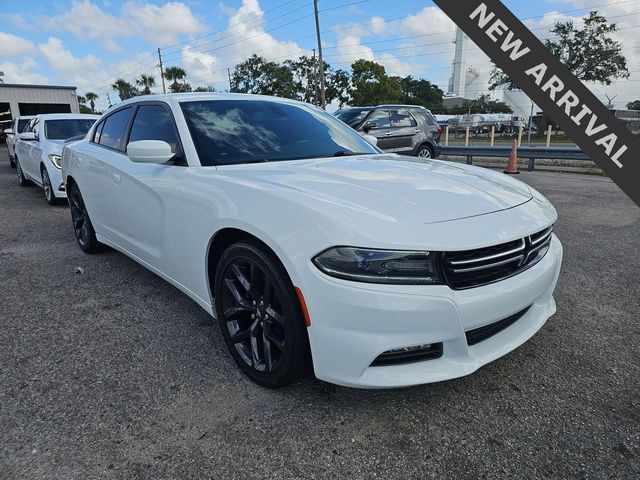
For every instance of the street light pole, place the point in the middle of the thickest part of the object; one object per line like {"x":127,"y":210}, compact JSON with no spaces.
{"x":320,"y":61}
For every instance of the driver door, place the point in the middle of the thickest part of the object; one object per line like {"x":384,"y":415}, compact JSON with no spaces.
{"x":378,"y":124}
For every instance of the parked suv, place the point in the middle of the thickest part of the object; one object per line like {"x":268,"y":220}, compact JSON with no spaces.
{"x":18,"y":125}
{"x":404,"y":129}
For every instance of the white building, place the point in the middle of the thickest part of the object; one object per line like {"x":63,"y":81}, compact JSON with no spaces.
{"x":18,"y":99}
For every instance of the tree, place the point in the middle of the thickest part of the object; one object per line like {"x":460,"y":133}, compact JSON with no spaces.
{"x":91,"y":98}
{"x":82,"y":104}
{"x":146,"y":82}
{"x":635,"y":105}
{"x":259,"y":76}
{"x":420,"y":92}
{"x":125,"y":89}
{"x":175,"y":75}
{"x":588,"y":52}
{"x":339,"y":87}
{"x":371,"y":85}
{"x":208,"y":88}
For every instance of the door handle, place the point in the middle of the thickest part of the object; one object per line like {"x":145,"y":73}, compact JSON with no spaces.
{"x":116,"y":178}
{"x":416,"y":131}
{"x":387,"y":134}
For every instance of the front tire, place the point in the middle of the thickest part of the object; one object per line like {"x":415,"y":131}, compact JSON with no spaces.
{"x":12,"y":160}
{"x":259,"y":315}
{"x":22,"y":180}
{"x":85,"y":234}
{"x":47,"y":187}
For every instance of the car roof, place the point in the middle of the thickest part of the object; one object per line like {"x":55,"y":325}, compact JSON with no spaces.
{"x":63,"y":116}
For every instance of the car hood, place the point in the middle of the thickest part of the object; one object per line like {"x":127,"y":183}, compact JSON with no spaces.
{"x":394,"y":188}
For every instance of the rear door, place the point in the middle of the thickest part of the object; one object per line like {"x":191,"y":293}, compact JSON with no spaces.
{"x":29,"y":150}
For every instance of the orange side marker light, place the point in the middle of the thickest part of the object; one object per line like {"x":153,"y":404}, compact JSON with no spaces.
{"x":303,"y":306}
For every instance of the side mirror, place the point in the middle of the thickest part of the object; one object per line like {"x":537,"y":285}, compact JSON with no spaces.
{"x":149,"y":151}
{"x":370,"y":139}
{"x":369,"y":126}
{"x":8,"y":131}
{"x":27,"y":136}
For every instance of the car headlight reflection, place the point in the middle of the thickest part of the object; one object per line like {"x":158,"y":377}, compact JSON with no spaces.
{"x":380,"y":266}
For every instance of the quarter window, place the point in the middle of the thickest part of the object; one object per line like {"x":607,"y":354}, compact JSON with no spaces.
{"x":154,"y":122}
{"x":115,"y":129}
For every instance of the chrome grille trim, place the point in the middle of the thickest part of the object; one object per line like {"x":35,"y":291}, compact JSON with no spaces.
{"x":485,"y":265}
{"x":490,"y":257}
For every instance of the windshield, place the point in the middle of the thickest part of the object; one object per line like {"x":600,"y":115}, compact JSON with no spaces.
{"x":352,"y":116}
{"x":244,"y":131}
{"x":22,"y":123}
{"x":67,"y":128}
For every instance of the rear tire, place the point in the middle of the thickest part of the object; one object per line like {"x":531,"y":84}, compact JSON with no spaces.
{"x":260,"y":315}
{"x":22,"y":180}
{"x":85,"y":234}
{"x":425,"y":151}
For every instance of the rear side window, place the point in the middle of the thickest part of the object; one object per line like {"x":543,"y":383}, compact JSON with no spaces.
{"x":401,"y":118}
{"x":97,"y":132}
{"x":115,"y":129}
{"x":154,"y":122}
{"x":22,"y":124}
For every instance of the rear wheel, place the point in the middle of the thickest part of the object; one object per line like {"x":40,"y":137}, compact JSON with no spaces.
{"x":47,"y":187}
{"x":425,"y":151}
{"x":259,"y":314}
{"x":22,"y":180}
{"x":85,"y":234}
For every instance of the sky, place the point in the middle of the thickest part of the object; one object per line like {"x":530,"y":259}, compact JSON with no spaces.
{"x":90,"y":43}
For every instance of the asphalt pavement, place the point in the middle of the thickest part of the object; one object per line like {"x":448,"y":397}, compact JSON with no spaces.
{"x":107,"y":371}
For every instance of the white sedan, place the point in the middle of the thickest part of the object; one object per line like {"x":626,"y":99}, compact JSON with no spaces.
{"x":38,"y":150}
{"x":309,"y":245}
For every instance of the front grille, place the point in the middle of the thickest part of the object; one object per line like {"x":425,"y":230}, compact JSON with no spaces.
{"x":401,"y":356}
{"x":477,"y":335}
{"x":481,"y":266}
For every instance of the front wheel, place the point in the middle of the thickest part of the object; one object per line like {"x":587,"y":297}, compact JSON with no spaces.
{"x":47,"y":187}
{"x":85,"y":234}
{"x":22,"y":180}
{"x":12,"y":160}
{"x":259,"y":314}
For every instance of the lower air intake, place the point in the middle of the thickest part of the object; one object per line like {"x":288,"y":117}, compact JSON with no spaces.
{"x":480,"y":334}
{"x":400,"y":356}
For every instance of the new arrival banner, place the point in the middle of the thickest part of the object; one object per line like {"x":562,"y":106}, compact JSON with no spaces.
{"x":517,"y":51}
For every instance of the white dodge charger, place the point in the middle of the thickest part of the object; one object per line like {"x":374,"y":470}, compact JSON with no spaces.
{"x":309,"y":245}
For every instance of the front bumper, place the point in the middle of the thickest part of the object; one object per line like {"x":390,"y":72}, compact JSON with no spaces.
{"x":55,"y":175}
{"x":353,"y":323}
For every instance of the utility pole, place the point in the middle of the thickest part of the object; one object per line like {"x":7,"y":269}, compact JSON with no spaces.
{"x":323,"y":102}
{"x":229,"y":75}
{"x":316,"y":94}
{"x":109,"y":100}
{"x":164,"y":89}
{"x":530,"y":124}
{"x":610,"y":100}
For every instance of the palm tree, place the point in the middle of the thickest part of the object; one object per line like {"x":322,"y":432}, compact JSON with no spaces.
{"x":125,"y":89}
{"x":146,"y":82}
{"x":91,"y":98}
{"x":173,"y":74}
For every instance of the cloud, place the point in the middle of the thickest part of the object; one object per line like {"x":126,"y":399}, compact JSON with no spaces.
{"x":157,"y":24}
{"x":13,"y":45}
{"x":22,"y":72}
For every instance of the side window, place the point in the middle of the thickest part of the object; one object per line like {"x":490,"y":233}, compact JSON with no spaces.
{"x":429,"y":119}
{"x":154,"y":122}
{"x":401,"y":118}
{"x":379,"y":119}
{"x":115,"y":129}
{"x":97,"y":132}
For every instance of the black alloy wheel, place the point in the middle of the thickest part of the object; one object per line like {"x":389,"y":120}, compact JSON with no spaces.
{"x":22,"y":180}
{"x":85,"y":234}
{"x":259,"y":315}
{"x":47,"y":187}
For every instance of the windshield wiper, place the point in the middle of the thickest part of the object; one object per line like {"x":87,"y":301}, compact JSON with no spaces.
{"x":344,"y":153}
{"x":256,"y":160}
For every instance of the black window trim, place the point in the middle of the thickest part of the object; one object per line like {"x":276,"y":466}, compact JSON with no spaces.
{"x":179,"y":158}
{"x":130,"y":106}
{"x":397,"y":109}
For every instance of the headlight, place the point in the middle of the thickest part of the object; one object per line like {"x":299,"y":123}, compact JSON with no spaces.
{"x":56,"y":160}
{"x":380,"y":266}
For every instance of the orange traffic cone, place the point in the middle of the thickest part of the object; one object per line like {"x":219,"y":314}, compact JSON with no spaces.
{"x":512,"y":164}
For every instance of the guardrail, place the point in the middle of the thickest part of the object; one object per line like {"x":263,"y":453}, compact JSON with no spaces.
{"x":532,"y":153}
